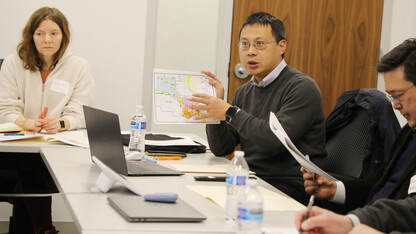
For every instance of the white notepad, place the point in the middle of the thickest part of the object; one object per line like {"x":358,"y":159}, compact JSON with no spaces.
{"x":9,"y":127}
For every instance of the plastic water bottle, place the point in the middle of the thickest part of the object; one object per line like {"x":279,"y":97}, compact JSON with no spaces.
{"x":138,"y":132}
{"x":250,"y":210}
{"x":237,"y":174}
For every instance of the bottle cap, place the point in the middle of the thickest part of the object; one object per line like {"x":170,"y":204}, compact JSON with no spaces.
{"x":238,"y":153}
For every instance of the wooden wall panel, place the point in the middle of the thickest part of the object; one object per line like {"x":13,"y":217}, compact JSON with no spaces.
{"x":336,"y":42}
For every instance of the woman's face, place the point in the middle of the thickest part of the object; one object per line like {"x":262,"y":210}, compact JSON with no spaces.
{"x":47,"y":38}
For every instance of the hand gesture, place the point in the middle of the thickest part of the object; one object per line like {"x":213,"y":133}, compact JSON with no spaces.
{"x":219,"y":88}
{"x":215,"y":107}
{"x":49,"y":124}
{"x":322,"y":187}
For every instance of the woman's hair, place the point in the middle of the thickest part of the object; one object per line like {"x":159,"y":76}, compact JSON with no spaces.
{"x":27,"y":49}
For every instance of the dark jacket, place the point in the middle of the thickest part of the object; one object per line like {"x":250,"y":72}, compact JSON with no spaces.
{"x":360,"y":191}
{"x":384,"y":125}
{"x":388,"y":215}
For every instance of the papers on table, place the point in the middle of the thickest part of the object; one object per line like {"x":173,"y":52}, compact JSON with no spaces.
{"x":75,"y":138}
{"x":275,"y":230}
{"x":172,"y":91}
{"x":271,"y":200}
{"x":303,"y":160}
{"x":182,"y":141}
{"x":197,"y":168}
{"x":9,"y":127}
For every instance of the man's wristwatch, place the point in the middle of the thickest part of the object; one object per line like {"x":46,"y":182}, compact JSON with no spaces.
{"x":229,"y":114}
{"x":62,"y":123}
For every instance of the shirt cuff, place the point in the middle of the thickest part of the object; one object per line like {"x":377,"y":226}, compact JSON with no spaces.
{"x":339,"y":197}
{"x":354,"y":218}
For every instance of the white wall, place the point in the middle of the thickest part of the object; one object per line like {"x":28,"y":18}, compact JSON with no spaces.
{"x":187,"y":40}
{"x":398,"y":25}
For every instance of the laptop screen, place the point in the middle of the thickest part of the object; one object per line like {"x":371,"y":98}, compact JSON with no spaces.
{"x":104,"y":136}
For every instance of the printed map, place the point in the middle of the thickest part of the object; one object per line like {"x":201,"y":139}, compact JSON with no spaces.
{"x":172,"y":90}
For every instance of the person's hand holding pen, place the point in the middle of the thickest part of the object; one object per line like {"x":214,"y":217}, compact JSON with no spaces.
{"x":322,"y":221}
{"x":308,"y":210}
{"x":319,"y":186}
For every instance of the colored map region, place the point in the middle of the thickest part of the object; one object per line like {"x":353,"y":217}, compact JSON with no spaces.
{"x":172,"y":91}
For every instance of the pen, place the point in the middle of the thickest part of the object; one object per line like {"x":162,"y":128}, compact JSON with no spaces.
{"x":310,"y":203}
{"x":168,"y":154}
{"x":14,"y":134}
{"x":168,"y":158}
{"x":149,"y":160}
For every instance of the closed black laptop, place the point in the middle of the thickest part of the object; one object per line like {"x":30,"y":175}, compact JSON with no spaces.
{"x":104,"y":136}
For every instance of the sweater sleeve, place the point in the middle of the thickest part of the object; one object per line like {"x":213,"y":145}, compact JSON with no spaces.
{"x":389,"y":215}
{"x":83,"y":94}
{"x":222,"y":138}
{"x":11,"y":103}
{"x":299,"y":112}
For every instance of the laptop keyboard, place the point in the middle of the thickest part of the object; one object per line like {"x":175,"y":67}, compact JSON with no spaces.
{"x":135,"y":168}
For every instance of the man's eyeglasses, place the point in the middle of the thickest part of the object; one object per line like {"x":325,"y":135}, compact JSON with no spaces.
{"x":397,"y":97}
{"x":259,"y":45}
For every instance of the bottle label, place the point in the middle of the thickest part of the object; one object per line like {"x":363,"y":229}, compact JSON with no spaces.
{"x":236,"y":180}
{"x":137,"y":125}
{"x":241,"y":180}
{"x":253,"y":215}
{"x":134,"y":125}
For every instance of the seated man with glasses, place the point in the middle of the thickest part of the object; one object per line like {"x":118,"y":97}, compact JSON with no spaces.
{"x":394,"y":179}
{"x":274,"y":87}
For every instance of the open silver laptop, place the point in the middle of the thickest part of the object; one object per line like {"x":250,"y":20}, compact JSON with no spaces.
{"x":104,"y":136}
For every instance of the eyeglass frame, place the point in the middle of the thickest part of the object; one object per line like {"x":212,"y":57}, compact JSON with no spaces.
{"x":397,"y":97}
{"x":255,"y":45}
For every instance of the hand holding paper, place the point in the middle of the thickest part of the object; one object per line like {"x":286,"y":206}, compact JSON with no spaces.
{"x":303,"y":160}
{"x":319,"y":186}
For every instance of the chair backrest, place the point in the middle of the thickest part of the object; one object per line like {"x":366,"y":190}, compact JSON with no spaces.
{"x":347,"y":147}
{"x":1,"y":62}
{"x":360,"y":131}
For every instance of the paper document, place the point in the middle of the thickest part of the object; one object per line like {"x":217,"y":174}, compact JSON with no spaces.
{"x":183,"y":141}
{"x":9,"y":127}
{"x":196,"y":168}
{"x":274,"y":230}
{"x":303,"y":160}
{"x":271,"y":200}
{"x":171,"y":93}
{"x":75,"y":138}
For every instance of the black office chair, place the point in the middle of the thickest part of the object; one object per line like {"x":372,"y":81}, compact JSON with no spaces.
{"x":1,"y":62}
{"x":360,"y":131}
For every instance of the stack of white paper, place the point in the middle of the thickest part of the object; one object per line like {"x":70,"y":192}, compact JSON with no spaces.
{"x":303,"y":160}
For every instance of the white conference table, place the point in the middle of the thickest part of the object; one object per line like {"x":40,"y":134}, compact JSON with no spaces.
{"x":75,"y":176}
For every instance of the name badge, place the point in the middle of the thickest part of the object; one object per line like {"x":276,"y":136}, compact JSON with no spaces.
{"x":412,"y":186}
{"x":60,"y":86}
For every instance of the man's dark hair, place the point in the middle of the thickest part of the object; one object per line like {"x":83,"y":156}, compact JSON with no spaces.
{"x":263,"y":18}
{"x":401,"y":54}
{"x":410,"y":68}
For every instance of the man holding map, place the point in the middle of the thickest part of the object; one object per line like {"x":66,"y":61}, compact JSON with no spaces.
{"x":292,"y":96}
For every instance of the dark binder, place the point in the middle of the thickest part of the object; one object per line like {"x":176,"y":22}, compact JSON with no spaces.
{"x":200,"y":148}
